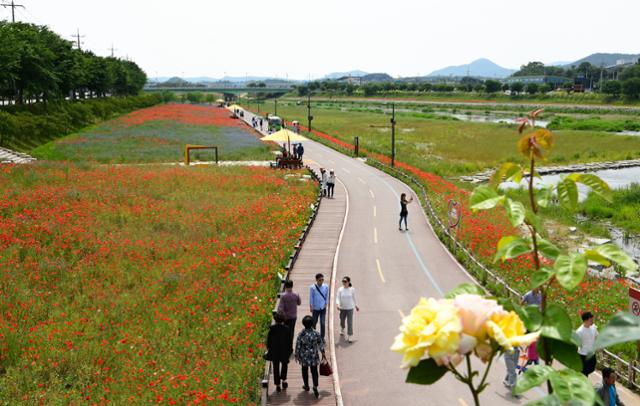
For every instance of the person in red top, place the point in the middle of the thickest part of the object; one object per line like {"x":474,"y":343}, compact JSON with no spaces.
{"x":288,"y":306}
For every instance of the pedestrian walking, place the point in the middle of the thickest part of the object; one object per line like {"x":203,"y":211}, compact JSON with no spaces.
{"x":532,"y":297}
{"x":588,"y":333}
{"x":323,"y":181}
{"x":318,"y":299}
{"x":309,"y":346}
{"x":331,"y":183}
{"x":607,"y":389}
{"x":279,"y":350}
{"x":346,"y":301}
{"x":300,"y":151}
{"x":403,"y":211}
{"x":288,"y":306}
{"x":511,"y":363}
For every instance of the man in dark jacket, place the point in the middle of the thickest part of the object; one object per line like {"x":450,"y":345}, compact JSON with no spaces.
{"x":279,"y":350}
{"x":607,"y":389}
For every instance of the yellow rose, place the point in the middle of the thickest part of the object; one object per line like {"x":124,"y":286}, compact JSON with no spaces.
{"x":508,"y":330}
{"x":432,"y":330}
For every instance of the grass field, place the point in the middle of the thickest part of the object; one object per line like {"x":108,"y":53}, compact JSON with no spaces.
{"x":159,"y":134}
{"x":450,"y":148}
{"x":140,"y":284}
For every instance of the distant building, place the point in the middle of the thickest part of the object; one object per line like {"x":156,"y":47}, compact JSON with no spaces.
{"x":352,"y":80}
{"x":555,"y":81}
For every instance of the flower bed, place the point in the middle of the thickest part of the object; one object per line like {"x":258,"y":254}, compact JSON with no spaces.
{"x":159,"y":134}
{"x":140,"y":284}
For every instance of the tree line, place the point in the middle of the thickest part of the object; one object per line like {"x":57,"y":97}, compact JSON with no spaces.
{"x":626,"y":83}
{"x":37,"y":65}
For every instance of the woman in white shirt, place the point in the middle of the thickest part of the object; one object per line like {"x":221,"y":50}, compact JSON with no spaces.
{"x":346,"y":301}
{"x":331,"y":183}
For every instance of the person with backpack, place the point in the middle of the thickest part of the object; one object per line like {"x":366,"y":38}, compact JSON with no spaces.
{"x":318,"y":299}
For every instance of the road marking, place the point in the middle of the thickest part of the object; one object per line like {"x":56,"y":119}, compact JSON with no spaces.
{"x":401,"y":314}
{"x":375,"y":235}
{"x":362,"y":181}
{"x":462,"y":402}
{"x":332,"y":162}
{"x":380,"y":271}
{"x":371,"y":193}
{"x":375,"y":211}
{"x":345,"y":170}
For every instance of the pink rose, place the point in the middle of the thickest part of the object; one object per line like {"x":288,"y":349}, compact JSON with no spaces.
{"x":474,"y":312}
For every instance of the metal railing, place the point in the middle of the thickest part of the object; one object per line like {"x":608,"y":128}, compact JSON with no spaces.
{"x":628,"y":372}
{"x":264,"y":383}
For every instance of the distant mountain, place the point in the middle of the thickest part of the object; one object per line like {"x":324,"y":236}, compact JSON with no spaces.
{"x":478,"y":68}
{"x":376,"y":77}
{"x":338,"y":75}
{"x":606,"y":59}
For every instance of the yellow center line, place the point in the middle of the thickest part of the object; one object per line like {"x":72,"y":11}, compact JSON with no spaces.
{"x":462,"y":402}
{"x":375,"y":211}
{"x":375,"y":235}
{"x":345,"y":170}
{"x":401,"y":314}
{"x":362,"y":181}
{"x":371,"y":193}
{"x":380,"y":271}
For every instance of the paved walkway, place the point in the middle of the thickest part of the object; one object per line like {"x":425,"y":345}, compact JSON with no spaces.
{"x":391,"y":270}
{"x":13,"y":157}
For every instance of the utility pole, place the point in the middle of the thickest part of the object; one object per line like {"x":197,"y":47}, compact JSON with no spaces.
{"x":309,"y":116}
{"x":393,"y":135}
{"x":13,"y":9}
{"x":112,"y":49}
{"x":77,"y":37}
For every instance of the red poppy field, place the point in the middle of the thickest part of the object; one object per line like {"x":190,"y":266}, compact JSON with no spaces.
{"x":131,"y":285}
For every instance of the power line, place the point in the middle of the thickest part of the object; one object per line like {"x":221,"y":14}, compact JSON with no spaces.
{"x":77,"y":37}
{"x":13,"y":9}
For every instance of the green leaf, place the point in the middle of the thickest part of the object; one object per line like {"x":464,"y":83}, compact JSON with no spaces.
{"x":613,"y":253}
{"x":549,"y":400}
{"x":571,"y":386}
{"x":568,"y":193}
{"x":544,"y":195}
{"x":515,"y":212}
{"x":531,"y":317}
{"x":512,"y":247}
{"x":547,"y":249}
{"x":542,"y":276}
{"x":557,"y":324}
{"x":465,"y":288}
{"x":565,"y":353}
{"x":533,"y":219}
{"x":597,"y":185}
{"x":510,"y":171}
{"x":484,"y":198}
{"x":535,"y":376}
{"x":622,"y":328}
{"x":427,"y":372}
{"x":570,"y":270}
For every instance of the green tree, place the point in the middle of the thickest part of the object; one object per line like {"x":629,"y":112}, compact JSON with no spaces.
{"x":612,"y":88}
{"x":516,"y":87}
{"x":492,"y":86}
{"x":533,"y":88}
{"x":631,"y":88}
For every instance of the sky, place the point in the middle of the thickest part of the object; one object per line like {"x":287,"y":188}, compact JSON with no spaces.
{"x":300,"y":39}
